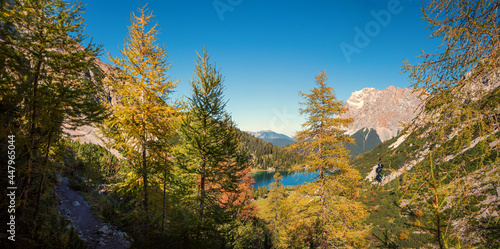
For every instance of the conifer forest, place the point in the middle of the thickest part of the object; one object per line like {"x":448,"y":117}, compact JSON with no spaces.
{"x":150,"y":169}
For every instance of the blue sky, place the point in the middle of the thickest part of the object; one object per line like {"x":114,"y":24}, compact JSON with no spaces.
{"x":268,"y":51}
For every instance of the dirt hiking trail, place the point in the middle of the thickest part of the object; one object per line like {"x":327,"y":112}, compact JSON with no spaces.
{"x":95,"y":233}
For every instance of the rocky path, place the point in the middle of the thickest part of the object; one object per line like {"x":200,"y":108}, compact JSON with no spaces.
{"x":95,"y":233}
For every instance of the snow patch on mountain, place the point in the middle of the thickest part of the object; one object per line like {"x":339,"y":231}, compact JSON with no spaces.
{"x":368,"y":133}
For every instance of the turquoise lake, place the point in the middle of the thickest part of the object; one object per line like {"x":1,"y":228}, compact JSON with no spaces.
{"x":290,"y":179}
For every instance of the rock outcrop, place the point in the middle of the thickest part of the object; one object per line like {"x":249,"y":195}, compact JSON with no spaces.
{"x":90,"y":133}
{"x":382,"y":110}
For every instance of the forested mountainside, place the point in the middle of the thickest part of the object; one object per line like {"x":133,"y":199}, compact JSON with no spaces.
{"x":277,"y":139}
{"x":261,"y":155}
{"x":264,"y":155}
{"x":440,"y":180}
{"x":364,"y":140}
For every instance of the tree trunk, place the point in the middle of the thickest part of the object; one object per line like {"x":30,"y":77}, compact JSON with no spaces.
{"x":202,"y":187}
{"x":144,"y":171}
{"x":203,"y":168}
{"x":145,"y":179}
{"x":438,"y":220}
{"x":440,"y":239}
{"x":164,"y":201}
{"x":323,"y":204}
{"x":322,"y":197}
{"x":31,"y":138}
{"x":40,"y":187}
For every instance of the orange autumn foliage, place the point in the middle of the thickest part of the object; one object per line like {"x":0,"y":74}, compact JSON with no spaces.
{"x":239,"y":197}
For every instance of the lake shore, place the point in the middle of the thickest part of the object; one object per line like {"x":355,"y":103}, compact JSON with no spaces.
{"x":253,"y":171}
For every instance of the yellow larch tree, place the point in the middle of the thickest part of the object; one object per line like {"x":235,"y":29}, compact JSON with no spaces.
{"x":322,"y":141}
{"x":142,"y":121}
{"x":460,"y":80}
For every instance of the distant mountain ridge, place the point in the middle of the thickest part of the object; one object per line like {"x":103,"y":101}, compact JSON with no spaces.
{"x":276,"y":139}
{"x":382,"y":110}
{"x":267,"y":156}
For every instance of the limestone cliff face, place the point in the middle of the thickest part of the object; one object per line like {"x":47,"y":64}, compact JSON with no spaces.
{"x":382,"y":110}
{"x":105,"y":69}
{"x":90,"y":133}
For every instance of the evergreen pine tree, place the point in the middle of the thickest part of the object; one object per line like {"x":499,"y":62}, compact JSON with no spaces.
{"x":212,"y":144}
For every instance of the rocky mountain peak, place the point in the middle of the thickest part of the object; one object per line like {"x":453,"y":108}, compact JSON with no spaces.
{"x":382,"y":110}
